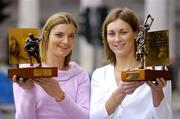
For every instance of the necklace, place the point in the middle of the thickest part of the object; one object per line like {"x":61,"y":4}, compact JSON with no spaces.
{"x":137,"y":64}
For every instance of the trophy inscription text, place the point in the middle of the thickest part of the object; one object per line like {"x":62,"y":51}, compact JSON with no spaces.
{"x":42,"y":72}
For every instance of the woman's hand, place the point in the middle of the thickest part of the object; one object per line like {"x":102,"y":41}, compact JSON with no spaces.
{"x":124,"y":88}
{"x":129,"y":87}
{"x":157,"y":90}
{"x":52,"y":88}
{"x":24,"y":83}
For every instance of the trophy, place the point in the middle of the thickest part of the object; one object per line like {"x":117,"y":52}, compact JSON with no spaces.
{"x":152,"y":49}
{"x":24,"y":49}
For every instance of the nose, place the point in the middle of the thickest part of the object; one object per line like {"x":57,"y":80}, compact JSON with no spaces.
{"x":66,"y":39}
{"x":117,"y":37}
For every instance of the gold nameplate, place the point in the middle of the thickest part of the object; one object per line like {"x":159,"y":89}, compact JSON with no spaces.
{"x":132,"y":75}
{"x":142,"y":75}
{"x":42,"y":72}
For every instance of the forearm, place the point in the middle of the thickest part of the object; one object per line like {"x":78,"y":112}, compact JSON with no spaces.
{"x":157,"y":97}
{"x":114,"y":101}
{"x":164,"y":109}
{"x":24,"y":103}
{"x":74,"y":110}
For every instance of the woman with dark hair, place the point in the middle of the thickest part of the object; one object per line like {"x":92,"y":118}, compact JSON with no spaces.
{"x":112,"y":98}
{"x":62,"y":97}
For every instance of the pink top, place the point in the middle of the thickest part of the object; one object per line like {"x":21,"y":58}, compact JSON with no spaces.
{"x":35,"y":103}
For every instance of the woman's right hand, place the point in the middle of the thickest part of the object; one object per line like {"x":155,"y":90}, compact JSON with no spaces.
{"x":24,"y":83}
{"x":128,"y":88}
{"x":124,"y":88}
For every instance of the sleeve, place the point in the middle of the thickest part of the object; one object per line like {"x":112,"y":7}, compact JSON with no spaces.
{"x":78,"y":109}
{"x":24,"y":103}
{"x":164,"y":110}
{"x":97,"y":102}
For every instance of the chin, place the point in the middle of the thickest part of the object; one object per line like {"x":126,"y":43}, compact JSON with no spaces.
{"x":122,"y":54}
{"x":61,"y":55}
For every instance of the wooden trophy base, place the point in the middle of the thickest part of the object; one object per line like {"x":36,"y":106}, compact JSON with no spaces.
{"x":35,"y":72}
{"x":145,"y":74}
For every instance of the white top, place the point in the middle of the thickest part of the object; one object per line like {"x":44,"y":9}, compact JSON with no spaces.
{"x":138,"y":105}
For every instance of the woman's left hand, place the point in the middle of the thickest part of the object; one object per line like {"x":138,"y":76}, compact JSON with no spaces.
{"x":157,"y":90}
{"x":52,"y":87}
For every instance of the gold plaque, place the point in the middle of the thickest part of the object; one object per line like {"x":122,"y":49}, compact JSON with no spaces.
{"x":157,"y":45}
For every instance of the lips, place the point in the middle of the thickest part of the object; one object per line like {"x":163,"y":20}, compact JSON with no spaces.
{"x":120,"y":45}
{"x":63,"y":47}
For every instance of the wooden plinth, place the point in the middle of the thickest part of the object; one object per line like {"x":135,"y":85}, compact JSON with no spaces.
{"x":38,"y":72}
{"x":141,"y":75}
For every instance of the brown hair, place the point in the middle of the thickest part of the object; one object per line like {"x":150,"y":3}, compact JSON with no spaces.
{"x":55,"y":19}
{"x":124,"y":14}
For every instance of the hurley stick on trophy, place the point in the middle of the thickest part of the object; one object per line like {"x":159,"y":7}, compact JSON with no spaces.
{"x":146,"y":42}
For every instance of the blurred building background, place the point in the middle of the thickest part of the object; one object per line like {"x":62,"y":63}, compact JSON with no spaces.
{"x":89,"y":14}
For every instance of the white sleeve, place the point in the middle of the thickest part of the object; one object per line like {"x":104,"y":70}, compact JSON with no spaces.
{"x":164,"y":110}
{"x":97,"y":101}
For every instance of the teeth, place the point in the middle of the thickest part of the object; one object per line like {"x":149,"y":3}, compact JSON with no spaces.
{"x":64,"y":47}
{"x":120,"y":45}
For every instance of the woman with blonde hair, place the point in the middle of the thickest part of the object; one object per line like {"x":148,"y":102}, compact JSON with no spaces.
{"x":65,"y":96}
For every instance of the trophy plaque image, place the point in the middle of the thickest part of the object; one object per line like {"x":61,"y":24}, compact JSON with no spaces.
{"x":152,"y":49}
{"x":23,"y":48}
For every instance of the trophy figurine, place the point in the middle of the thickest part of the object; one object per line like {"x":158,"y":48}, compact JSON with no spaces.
{"x":30,"y":44}
{"x":32,"y":48}
{"x":152,"y":50}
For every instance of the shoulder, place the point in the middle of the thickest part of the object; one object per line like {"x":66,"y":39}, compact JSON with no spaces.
{"x":78,"y":70}
{"x":100,"y":74}
{"x":76,"y":67}
{"x":106,"y":68}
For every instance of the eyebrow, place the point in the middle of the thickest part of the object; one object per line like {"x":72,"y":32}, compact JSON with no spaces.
{"x":62,"y":32}
{"x":123,"y":29}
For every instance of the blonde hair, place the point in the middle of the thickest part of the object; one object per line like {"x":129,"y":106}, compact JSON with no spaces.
{"x":55,"y":19}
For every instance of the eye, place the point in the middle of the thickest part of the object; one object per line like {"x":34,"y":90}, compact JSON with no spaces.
{"x":123,"y":32}
{"x":71,"y":36}
{"x":59,"y":35}
{"x":111,"y":34}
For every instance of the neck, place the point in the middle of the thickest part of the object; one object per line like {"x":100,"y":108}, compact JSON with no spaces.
{"x":127,"y":63}
{"x":55,"y":61}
